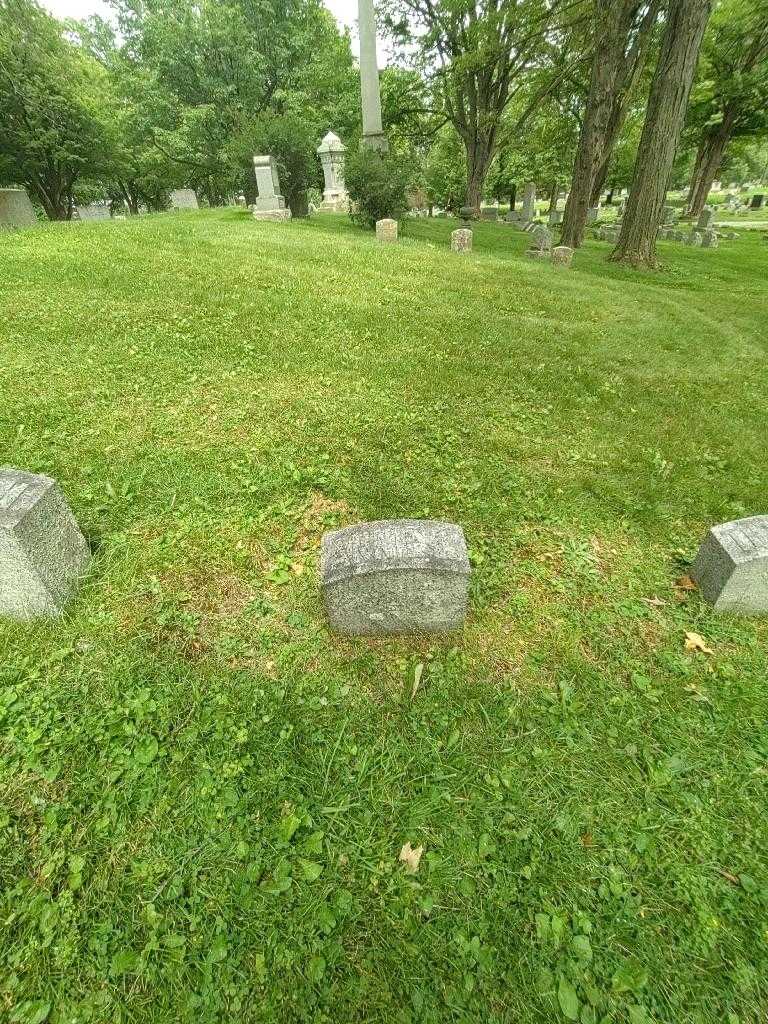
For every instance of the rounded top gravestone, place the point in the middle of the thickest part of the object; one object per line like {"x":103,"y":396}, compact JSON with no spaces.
{"x":395,"y":576}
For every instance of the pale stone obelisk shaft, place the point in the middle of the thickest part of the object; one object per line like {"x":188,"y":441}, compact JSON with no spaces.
{"x":373,"y":135}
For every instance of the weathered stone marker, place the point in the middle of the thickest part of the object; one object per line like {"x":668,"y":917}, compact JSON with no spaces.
{"x":593,"y":213}
{"x":386,"y":230}
{"x":461,"y":240}
{"x":709,"y":239}
{"x":93,"y":211}
{"x":42,"y":551}
{"x":16,"y":210}
{"x":529,"y":202}
{"x":541,"y":244}
{"x":705,"y":218}
{"x":562,"y":256}
{"x":184,"y":199}
{"x":731,"y":567}
{"x":270,"y":205}
{"x":395,"y":576}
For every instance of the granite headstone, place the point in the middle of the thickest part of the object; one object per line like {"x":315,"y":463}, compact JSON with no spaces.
{"x":395,"y":576}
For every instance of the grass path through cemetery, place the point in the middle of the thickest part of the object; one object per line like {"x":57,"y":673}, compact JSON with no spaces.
{"x":203,"y":794}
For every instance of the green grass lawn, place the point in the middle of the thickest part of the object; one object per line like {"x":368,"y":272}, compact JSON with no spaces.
{"x":203,"y":794}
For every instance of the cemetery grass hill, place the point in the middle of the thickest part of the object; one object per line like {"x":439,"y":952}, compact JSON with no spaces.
{"x":212,"y":808}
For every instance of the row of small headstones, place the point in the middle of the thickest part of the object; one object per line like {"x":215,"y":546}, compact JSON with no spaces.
{"x":461,"y":241}
{"x":387,"y":577}
{"x":707,"y":239}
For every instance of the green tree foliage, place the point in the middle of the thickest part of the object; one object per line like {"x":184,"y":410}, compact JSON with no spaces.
{"x":480,"y":56}
{"x":445,"y":174}
{"x":229,"y":72}
{"x":377,"y":184}
{"x":730,"y":100}
{"x":57,"y":111}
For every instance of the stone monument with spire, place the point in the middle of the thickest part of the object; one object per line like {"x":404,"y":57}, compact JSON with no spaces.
{"x":331,"y":152}
{"x":373,"y":134}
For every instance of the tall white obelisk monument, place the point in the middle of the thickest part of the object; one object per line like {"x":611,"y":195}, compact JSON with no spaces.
{"x":373,"y":134}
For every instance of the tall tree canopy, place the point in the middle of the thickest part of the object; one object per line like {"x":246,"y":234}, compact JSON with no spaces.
{"x":731,"y":100}
{"x":480,"y":56}
{"x":56,"y":109}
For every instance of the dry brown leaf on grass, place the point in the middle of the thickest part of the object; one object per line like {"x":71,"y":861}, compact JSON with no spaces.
{"x":727,"y":874}
{"x":654,"y":602}
{"x":685,"y":583}
{"x":696,"y":642}
{"x":411,"y":857}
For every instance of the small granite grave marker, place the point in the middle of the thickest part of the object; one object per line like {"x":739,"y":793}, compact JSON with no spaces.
{"x":709,"y":239}
{"x":541,"y":243}
{"x":386,"y":230}
{"x":42,"y":551}
{"x":184,"y":199}
{"x":461,"y":240}
{"x":562,"y":256}
{"x":93,"y":211}
{"x":756,"y":202}
{"x":16,"y":210}
{"x":731,"y":567}
{"x":395,"y":576}
{"x":592,"y":214}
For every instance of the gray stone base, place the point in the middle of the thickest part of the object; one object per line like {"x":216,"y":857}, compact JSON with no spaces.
{"x":272,"y":214}
{"x":538,"y":254}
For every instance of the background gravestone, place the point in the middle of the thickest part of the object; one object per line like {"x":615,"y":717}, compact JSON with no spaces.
{"x":386,"y":230}
{"x":731,"y":568}
{"x":529,"y":202}
{"x":562,"y":256}
{"x":93,"y":211}
{"x":184,"y":199}
{"x":42,"y":551}
{"x":269,"y":205}
{"x":395,"y":576}
{"x":705,"y":218}
{"x":331,"y":152}
{"x":461,"y":240}
{"x":541,"y":244}
{"x":16,"y":210}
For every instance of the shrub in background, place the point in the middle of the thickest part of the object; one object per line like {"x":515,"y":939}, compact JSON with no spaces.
{"x":377,"y":185}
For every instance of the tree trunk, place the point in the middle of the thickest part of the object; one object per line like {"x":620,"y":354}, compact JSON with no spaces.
{"x":479,"y":155}
{"x":611,"y":27}
{"x":664,"y":116}
{"x":512,"y":196}
{"x":609,"y":197}
{"x":708,"y":159}
{"x":554,"y":195}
